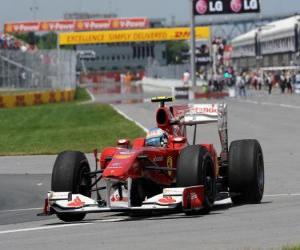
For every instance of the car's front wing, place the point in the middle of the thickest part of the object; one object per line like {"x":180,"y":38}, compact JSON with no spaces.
{"x":172,"y":199}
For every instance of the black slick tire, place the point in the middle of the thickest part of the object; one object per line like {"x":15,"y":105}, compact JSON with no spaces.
{"x":68,"y":175}
{"x":246,"y":171}
{"x":195,"y":167}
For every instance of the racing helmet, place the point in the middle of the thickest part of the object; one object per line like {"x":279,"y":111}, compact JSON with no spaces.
{"x":156,"y":137}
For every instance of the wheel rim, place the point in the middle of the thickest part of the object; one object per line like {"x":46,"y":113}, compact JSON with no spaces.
{"x":209,"y":183}
{"x":84,"y":182}
{"x":260,"y":173}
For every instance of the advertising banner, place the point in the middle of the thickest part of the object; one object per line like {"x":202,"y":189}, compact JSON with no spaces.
{"x":77,"y":25}
{"x":181,"y":93}
{"x":138,"y":35}
{"x":215,"y":7}
{"x":107,"y":24}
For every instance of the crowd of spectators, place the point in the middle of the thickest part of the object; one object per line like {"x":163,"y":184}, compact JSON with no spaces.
{"x":9,"y":42}
{"x":283,"y":80}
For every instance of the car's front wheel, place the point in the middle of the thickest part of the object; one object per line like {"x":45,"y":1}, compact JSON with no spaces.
{"x":195,"y":167}
{"x":70,"y":175}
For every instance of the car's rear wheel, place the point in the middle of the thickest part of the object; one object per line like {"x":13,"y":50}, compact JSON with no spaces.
{"x":70,"y":175}
{"x":246,"y":171}
{"x":195,"y":167}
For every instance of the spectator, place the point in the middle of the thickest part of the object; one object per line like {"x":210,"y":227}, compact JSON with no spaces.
{"x":11,"y":43}
{"x":289,"y":83}
{"x":186,"y":78}
{"x":269,"y":82}
{"x":241,"y":85}
{"x":282,"y":83}
{"x":259,"y":81}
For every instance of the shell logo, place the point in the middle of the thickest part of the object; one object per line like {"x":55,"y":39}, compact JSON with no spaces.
{"x":170,"y":164}
{"x":79,"y":25}
{"x":115,"y":24}
{"x":122,"y":157}
{"x":45,"y":26}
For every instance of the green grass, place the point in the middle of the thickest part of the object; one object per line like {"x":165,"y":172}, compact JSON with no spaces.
{"x":82,"y":95}
{"x":291,"y":247}
{"x":51,"y":128}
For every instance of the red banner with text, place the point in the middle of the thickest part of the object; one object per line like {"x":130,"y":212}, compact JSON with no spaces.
{"x":77,"y":25}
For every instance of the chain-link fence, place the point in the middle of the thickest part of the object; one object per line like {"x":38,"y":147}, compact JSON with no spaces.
{"x":43,"y":69}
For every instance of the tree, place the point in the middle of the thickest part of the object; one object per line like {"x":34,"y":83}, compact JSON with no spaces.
{"x":176,"y":52}
{"x":45,"y":41}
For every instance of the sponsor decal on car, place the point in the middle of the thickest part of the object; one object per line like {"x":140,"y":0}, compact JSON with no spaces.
{"x":116,"y":198}
{"x":158,"y":158}
{"x":167,"y":200}
{"x":121,"y":157}
{"x":126,"y":153}
{"x":195,"y":200}
{"x":170,"y":164}
{"x":115,"y":165}
{"x":77,"y":202}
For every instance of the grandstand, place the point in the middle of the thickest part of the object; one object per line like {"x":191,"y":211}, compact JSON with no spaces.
{"x":273,"y":45}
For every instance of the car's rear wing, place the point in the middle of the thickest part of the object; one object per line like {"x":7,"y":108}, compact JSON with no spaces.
{"x":193,"y":114}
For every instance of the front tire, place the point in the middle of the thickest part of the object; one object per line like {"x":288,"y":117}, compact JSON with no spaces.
{"x":69,"y":175}
{"x":246,"y":171}
{"x":195,"y":167}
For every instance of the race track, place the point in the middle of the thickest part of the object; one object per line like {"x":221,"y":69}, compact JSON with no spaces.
{"x":273,"y":120}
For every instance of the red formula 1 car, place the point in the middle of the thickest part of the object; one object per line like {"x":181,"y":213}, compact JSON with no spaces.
{"x":161,"y":171}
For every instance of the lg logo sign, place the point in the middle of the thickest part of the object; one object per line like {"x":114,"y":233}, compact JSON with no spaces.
{"x":204,"y":6}
{"x":217,"y":7}
{"x":251,"y":5}
{"x":209,"y":7}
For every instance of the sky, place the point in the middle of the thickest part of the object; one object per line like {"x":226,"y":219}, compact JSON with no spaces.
{"x":21,"y":10}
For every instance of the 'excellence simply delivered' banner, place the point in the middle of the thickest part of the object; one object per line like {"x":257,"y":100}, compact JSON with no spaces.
{"x":137,"y":35}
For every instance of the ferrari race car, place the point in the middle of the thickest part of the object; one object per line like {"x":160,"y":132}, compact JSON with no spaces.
{"x":161,"y":172}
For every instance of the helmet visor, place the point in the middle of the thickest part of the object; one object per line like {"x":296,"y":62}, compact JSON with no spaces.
{"x":154,"y":142}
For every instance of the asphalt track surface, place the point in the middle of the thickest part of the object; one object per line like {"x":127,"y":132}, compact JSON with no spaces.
{"x":273,"y":120}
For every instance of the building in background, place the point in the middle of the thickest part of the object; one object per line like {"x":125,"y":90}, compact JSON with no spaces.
{"x":87,"y":15}
{"x":273,"y":45}
{"x":122,"y":56}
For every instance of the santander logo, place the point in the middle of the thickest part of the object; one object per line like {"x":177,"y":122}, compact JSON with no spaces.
{"x":202,"y":6}
{"x":236,"y":5}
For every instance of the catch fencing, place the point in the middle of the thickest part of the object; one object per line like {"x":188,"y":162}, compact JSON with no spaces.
{"x":37,"y":70}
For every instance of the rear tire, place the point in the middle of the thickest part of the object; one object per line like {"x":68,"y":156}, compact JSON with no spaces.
{"x":195,"y":167}
{"x":68,"y":175}
{"x":246,"y":171}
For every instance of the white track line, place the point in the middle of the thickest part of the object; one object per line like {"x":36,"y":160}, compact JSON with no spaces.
{"x":56,"y":226}
{"x":90,"y":94}
{"x":289,"y":106}
{"x":128,"y":118}
{"x":89,"y":101}
{"x":281,"y":195}
{"x":269,"y":104}
{"x":42,"y":228}
{"x":22,"y":209}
